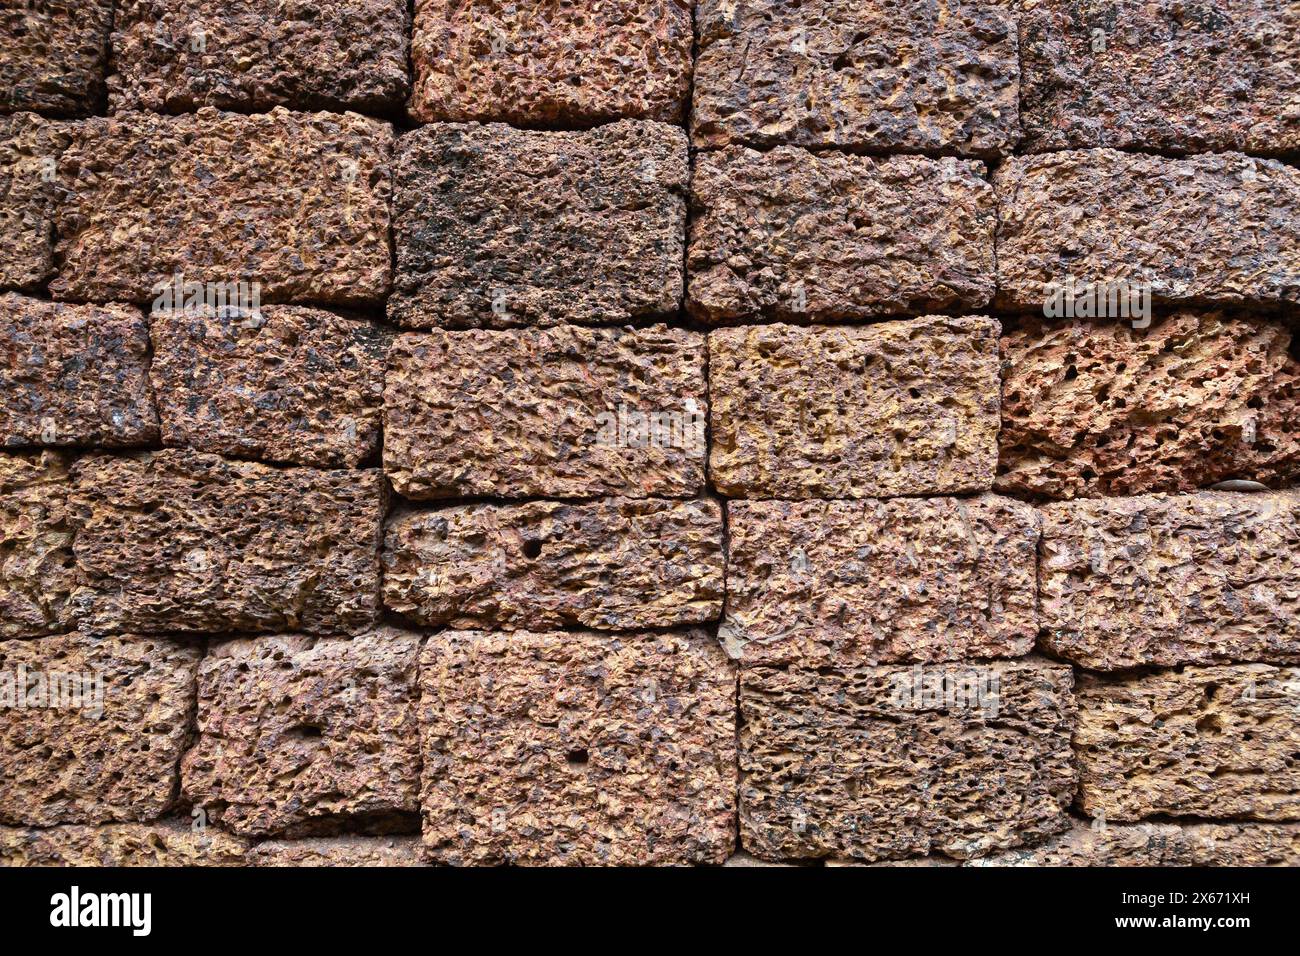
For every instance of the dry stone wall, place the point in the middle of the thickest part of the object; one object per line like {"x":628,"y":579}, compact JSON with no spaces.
{"x":649,"y":432}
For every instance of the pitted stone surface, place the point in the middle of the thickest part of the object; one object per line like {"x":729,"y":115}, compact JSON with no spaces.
{"x":99,"y":733}
{"x":300,"y":735}
{"x":499,"y":227}
{"x":803,"y":236}
{"x":561,"y":412}
{"x":52,"y":55}
{"x":1214,"y":229}
{"x":613,"y":564}
{"x":866,"y":75}
{"x":36,"y":573}
{"x":861,"y":762}
{"x":74,"y":375}
{"x":283,"y":384}
{"x":910,"y":579}
{"x":178,"y":541}
{"x":356,"y":851}
{"x":173,"y":56}
{"x":1208,"y":742}
{"x":898,"y":408}
{"x":577,"y":748}
{"x":30,"y":148}
{"x":1101,"y":408}
{"x":297,"y":202}
{"x":551,"y":64}
{"x":165,"y":843}
{"x":1162,"y":844}
{"x":1164,"y":75}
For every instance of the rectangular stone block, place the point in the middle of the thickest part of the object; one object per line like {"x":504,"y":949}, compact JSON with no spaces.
{"x":551,"y":64}
{"x":1217,"y":75}
{"x":302,"y":735}
{"x":807,"y":236}
{"x":36,"y":573}
{"x":1168,"y":580}
{"x":1208,"y":742}
{"x":1205,"y":230}
{"x":92,"y":729}
{"x":164,"y":843}
{"x":569,"y":412}
{"x":30,"y":148}
{"x":829,"y":583}
{"x":74,"y":375}
{"x":940,"y":78}
{"x":883,"y":763}
{"x":354,"y":851}
{"x":614,"y":564}
{"x":295,"y":202}
{"x":1101,"y":408}
{"x":285,"y":384}
{"x":178,"y":541}
{"x":577,"y":748}
{"x":898,"y":408}
{"x":52,"y":55}
{"x":499,"y":227}
{"x":174,"y":56}
{"x":1162,"y":844}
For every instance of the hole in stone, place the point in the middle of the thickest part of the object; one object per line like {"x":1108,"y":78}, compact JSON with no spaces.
{"x":307,"y":731}
{"x":532,"y":549}
{"x":577,"y":758}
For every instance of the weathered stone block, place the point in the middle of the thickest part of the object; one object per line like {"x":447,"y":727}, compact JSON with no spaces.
{"x":614,"y":564}
{"x":1162,"y":844}
{"x":824,"y":583}
{"x":1214,"y":229}
{"x":891,"y":762}
{"x":307,"y":734}
{"x":179,"y":541}
{"x":1223,"y":74}
{"x":283,"y":383}
{"x":869,"y":75}
{"x":1170,"y":580}
{"x":1209,"y":742}
{"x":351,"y":851}
{"x":1091,"y":409}
{"x":803,"y":236}
{"x":173,"y":56}
{"x":499,"y":227}
{"x":93,"y":728}
{"x":165,"y":843}
{"x":52,"y":55}
{"x":569,"y":412}
{"x":74,"y":375}
{"x":36,"y":575}
{"x":898,"y":408}
{"x":577,"y":749}
{"x":296,"y":202}
{"x":555,"y":64}
{"x":30,"y":148}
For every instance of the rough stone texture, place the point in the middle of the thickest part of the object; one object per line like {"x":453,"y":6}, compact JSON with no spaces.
{"x":29,"y":152}
{"x":867,"y":75}
{"x":108,"y":760}
{"x":179,"y":541}
{"x":613,"y":564}
{"x":577,"y":749}
{"x":338,"y":851}
{"x":1162,"y":844}
{"x":74,"y":375}
{"x":305,"y":734}
{"x":527,"y":413}
{"x":173,"y":56}
{"x":52,"y":55}
{"x":498,"y":227}
{"x":824,"y":583}
{"x":1213,"y":229}
{"x":551,"y":64}
{"x":1091,"y":409}
{"x":800,"y":236}
{"x":898,"y":408}
{"x":165,"y":843}
{"x":1215,"y":75}
{"x":36,"y":575}
{"x":1169,"y":580}
{"x":297,"y":202}
{"x":284,"y":383}
{"x":1209,"y":742}
{"x":833,"y":762}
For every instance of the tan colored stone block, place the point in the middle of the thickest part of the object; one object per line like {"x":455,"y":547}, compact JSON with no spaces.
{"x":36,"y":573}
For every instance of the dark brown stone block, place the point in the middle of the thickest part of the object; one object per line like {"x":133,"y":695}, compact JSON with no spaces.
{"x":30,"y":148}
{"x":52,"y":55}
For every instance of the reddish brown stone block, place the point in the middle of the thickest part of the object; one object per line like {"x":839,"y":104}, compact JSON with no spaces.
{"x":164,"y":843}
{"x":353,"y":851}
{"x":1162,"y":844}
{"x":30,"y":148}
{"x":36,"y":574}
{"x":52,"y":55}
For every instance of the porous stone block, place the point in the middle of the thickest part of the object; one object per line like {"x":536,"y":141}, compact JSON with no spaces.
{"x":36,"y":574}
{"x":164,"y":843}
{"x":351,"y":851}
{"x":30,"y":148}
{"x":1161,"y":844}
{"x":52,"y":55}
